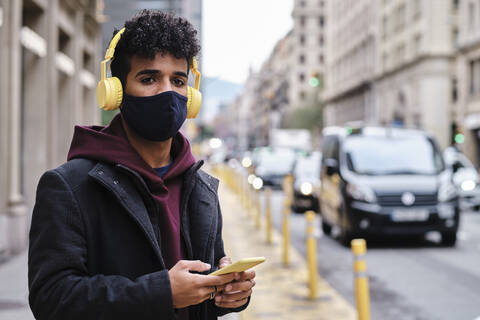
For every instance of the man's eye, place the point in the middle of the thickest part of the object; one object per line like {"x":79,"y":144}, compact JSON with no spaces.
{"x":148,"y":80}
{"x":178,"y":82}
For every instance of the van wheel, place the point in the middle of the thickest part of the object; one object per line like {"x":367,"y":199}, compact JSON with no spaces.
{"x":326,"y":228}
{"x":449,"y":238}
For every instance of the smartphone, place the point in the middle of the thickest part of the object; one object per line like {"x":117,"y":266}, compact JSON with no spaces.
{"x":239,"y":266}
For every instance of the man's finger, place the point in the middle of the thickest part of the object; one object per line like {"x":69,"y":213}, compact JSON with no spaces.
{"x":239,"y":286}
{"x":194,"y":265}
{"x":231,"y":297}
{"x":210,"y":281}
{"x":225,"y":261}
{"x":247,"y":275}
{"x":235,"y":304}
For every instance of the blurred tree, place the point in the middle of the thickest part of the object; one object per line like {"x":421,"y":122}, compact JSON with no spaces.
{"x":308,"y":115}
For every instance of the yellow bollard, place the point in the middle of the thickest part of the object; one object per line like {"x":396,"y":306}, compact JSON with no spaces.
{"x":251,"y":201}
{"x":286,"y":231}
{"x":311,"y":255}
{"x":242,"y":189}
{"x":362,"y":296}
{"x":258,"y":212}
{"x":268,"y":214}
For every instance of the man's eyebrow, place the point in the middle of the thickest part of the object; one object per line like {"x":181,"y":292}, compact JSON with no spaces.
{"x":181,"y":74}
{"x":147,"y":71}
{"x":155,"y":71}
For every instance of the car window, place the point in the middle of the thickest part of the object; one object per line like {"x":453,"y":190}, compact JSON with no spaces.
{"x":381,"y":155}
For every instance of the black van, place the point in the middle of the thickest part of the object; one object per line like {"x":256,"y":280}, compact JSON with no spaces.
{"x":386,"y":181}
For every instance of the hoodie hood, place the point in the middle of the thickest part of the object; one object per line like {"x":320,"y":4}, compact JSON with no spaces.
{"x":110,"y":144}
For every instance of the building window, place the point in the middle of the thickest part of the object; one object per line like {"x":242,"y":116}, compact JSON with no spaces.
{"x":302,"y":21}
{"x":302,"y":95}
{"x":320,"y":40}
{"x":385,"y":27}
{"x":385,"y":61}
{"x":417,"y":44}
{"x":456,"y":4}
{"x":302,"y":3}
{"x":301,"y":59}
{"x":475,"y":77}
{"x":471,"y":16}
{"x":455,"y":37}
{"x":400,"y":18}
{"x":320,"y":58}
{"x":302,"y":39}
{"x":320,"y":3}
{"x":321,"y":21}
{"x":417,"y":10}
{"x":454,"y":90}
{"x":301,"y":77}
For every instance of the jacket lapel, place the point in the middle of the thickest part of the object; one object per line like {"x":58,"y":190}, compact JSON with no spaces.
{"x":124,"y":190}
{"x":188,"y":185}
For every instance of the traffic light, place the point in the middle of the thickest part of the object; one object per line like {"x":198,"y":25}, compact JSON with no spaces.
{"x":314,"y":80}
{"x":458,"y":137}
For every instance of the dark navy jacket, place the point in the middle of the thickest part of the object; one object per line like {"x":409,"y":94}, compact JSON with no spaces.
{"x":93,"y":251}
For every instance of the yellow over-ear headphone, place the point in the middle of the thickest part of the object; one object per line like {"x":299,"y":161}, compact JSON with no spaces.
{"x":110,"y":91}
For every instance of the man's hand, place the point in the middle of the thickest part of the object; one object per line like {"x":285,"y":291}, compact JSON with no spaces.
{"x":188,"y":288}
{"x":236,"y":293}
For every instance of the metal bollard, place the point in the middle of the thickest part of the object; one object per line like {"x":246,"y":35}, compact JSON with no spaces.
{"x":268,"y":214}
{"x":286,"y":231}
{"x":362,"y":296}
{"x":258,"y":212}
{"x":311,"y":255}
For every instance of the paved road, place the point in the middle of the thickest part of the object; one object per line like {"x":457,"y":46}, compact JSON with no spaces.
{"x":414,"y":280}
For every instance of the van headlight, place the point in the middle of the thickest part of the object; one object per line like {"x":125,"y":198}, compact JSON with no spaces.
{"x":446,"y":192}
{"x":306,"y":188}
{"x":361,"y":193}
{"x":468,"y":185}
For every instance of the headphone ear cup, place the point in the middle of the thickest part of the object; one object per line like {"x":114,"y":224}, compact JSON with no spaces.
{"x":194,"y":102}
{"x":109,"y":93}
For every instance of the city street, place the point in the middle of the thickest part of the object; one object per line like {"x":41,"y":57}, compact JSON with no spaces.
{"x":408,"y":280}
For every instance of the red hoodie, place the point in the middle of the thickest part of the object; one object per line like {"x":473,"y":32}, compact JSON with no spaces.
{"x":110,"y":144}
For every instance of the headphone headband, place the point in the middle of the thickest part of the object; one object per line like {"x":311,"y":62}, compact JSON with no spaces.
{"x":113,"y":44}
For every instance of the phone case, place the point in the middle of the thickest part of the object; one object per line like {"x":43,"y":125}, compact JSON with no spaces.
{"x":239,"y":266}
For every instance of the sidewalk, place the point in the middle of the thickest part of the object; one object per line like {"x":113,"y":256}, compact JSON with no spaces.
{"x":280,"y":292}
{"x":14,"y":289}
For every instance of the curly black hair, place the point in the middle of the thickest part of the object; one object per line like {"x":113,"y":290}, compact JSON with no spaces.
{"x":150,"y":32}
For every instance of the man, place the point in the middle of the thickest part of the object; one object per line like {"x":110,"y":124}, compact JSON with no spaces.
{"x":130,"y":226}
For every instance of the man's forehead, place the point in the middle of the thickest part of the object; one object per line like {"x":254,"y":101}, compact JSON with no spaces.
{"x":161,"y":60}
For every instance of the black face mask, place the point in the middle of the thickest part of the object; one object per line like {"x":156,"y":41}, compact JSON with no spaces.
{"x":155,"y":118}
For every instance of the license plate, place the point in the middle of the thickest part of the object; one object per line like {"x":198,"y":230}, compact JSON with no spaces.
{"x":304,"y":202}
{"x":410,"y":215}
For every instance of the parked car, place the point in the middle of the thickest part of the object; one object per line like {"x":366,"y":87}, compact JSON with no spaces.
{"x":465,"y":178}
{"x":273,"y":164}
{"x":386,"y":181}
{"x":306,"y":181}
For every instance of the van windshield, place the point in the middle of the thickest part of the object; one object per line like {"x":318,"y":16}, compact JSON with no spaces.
{"x":392,"y":155}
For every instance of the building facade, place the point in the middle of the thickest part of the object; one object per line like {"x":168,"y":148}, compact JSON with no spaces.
{"x":351,"y":60}
{"x":415,"y":79}
{"x":395,"y":60}
{"x":49,"y":59}
{"x":307,"y":49}
{"x":467,"y":116}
